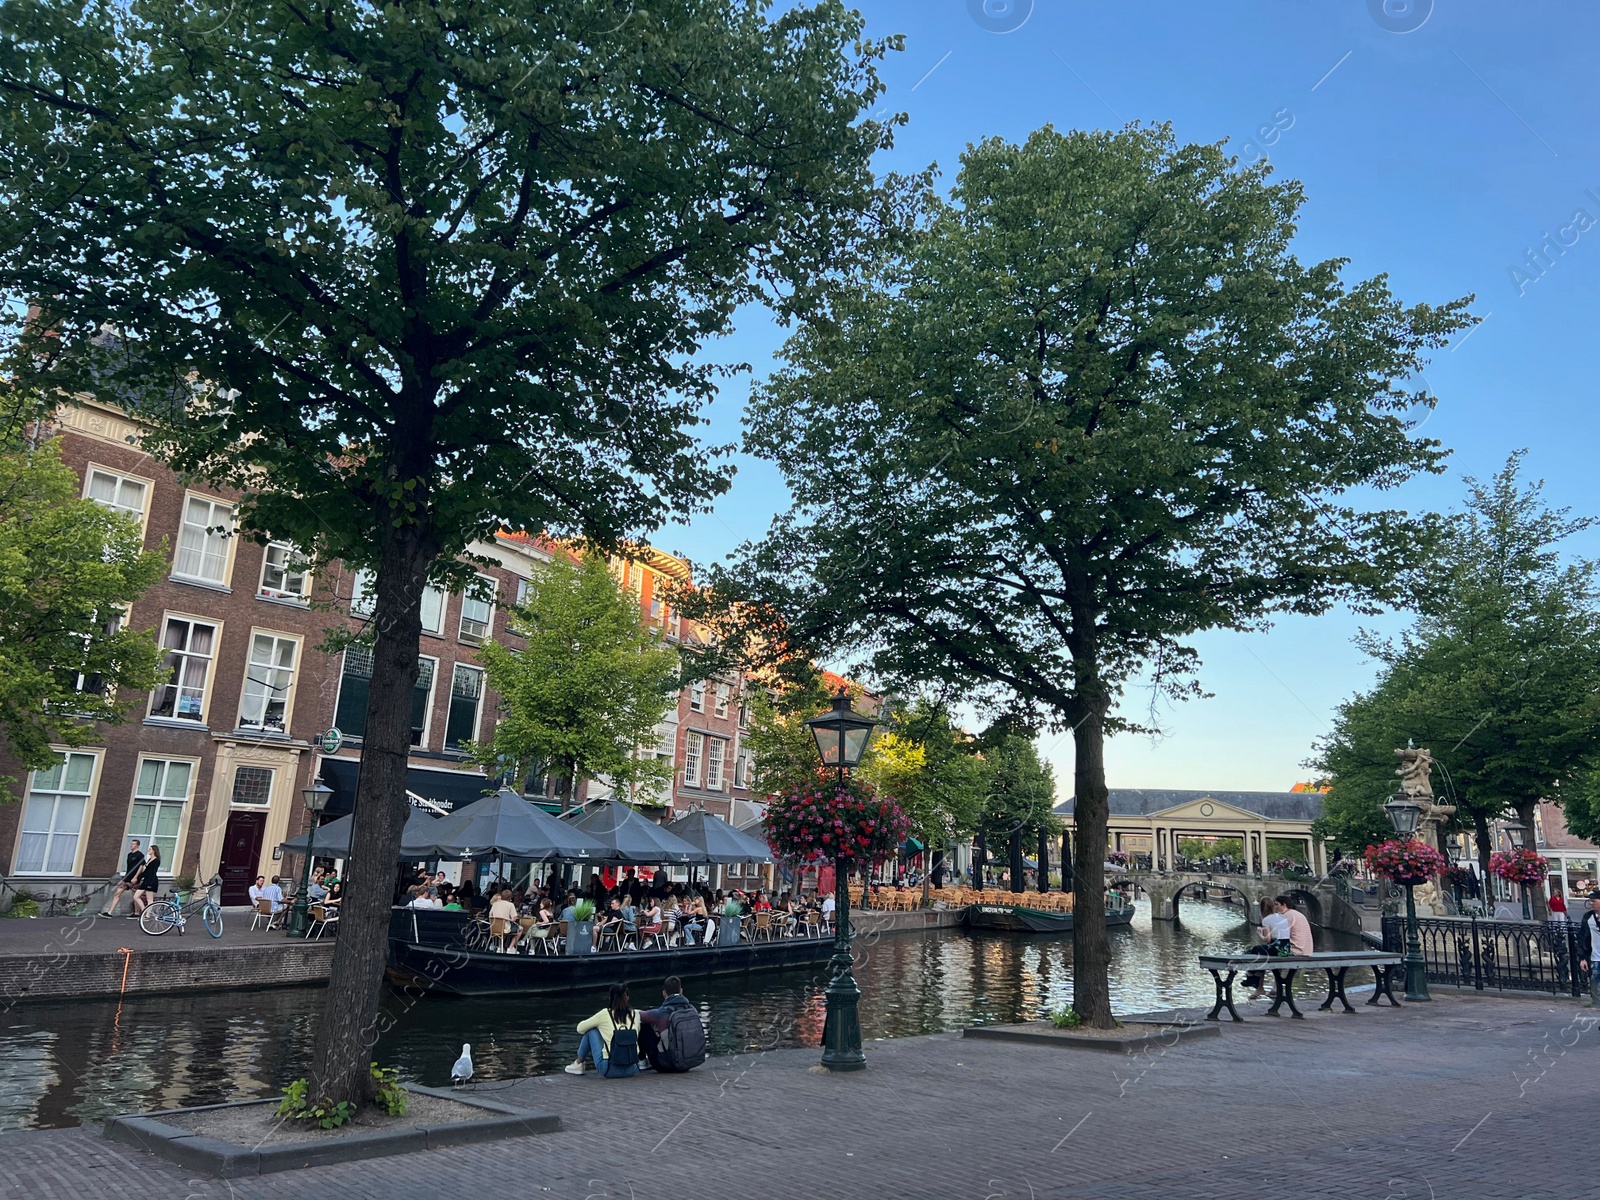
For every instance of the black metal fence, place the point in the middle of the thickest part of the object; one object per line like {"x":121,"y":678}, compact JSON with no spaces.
{"x":1506,"y":956}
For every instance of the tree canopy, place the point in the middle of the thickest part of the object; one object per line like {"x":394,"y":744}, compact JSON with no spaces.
{"x":1085,"y":407}
{"x":588,"y":686}
{"x":69,"y":569}
{"x":404,"y":273}
{"x":932,"y":768}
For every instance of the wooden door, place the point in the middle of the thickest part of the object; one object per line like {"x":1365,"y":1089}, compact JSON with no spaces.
{"x":241,"y":854}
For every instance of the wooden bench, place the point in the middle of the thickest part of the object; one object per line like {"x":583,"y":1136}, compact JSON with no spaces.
{"x":1224,"y":967}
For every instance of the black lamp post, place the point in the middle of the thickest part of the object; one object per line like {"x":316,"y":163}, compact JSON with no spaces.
{"x":1517,"y":835}
{"x":316,"y":797}
{"x":1405,"y":814}
{"x":842,"y":735}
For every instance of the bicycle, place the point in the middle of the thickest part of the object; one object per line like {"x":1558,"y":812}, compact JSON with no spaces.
{"x":173,"y":912}
{"x":61,"y":905}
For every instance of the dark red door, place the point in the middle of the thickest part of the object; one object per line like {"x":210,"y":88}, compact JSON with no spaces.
{"x":241,"y":855}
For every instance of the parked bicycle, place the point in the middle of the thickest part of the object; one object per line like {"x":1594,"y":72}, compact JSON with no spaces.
{"x":174,"y":911}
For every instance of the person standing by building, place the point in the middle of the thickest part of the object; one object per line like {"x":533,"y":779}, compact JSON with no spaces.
{"x":130,"y":876}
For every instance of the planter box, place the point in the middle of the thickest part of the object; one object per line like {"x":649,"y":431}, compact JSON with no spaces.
{"x":580,"y":938}
{"x":728,"y":930}
{"x":1136,"y":1039}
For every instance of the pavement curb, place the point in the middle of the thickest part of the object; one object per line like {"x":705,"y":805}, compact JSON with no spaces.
{"x":1043,"y":1033}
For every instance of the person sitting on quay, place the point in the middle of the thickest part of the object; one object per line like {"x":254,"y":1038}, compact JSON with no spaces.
{"x":131,"y":868}
{"x":610,"y":1039}
{"x":149,"y":882}
{"x":672,"y":1036}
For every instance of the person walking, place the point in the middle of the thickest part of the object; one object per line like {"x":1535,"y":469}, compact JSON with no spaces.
{"x":149,"y":882}
{"x":130,"y":876}
{"x":1589,"y":949}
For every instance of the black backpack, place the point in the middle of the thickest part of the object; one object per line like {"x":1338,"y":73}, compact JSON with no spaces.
{"x":624,"y":1051}
{"x":683,"y":1044}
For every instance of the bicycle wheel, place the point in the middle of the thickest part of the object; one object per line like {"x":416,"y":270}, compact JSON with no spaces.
{"x":212,"y":916}
{"x":159,"y":917}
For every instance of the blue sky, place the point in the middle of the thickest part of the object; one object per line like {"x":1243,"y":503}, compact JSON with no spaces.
{"x":1438,"y":142}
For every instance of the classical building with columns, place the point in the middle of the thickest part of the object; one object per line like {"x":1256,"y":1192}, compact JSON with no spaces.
{"x":1151,"y":822}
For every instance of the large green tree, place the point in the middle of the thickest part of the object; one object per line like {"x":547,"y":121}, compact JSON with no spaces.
{"x":1089,"y":405}
{"x":1499,"y":675}
{"x":585,"y":691}
{"x":69,"y":569}
{"x":407,"y":272}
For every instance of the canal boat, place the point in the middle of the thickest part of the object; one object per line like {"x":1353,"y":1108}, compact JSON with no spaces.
{"x":439,"y":952}
{"x":1019,"y":918}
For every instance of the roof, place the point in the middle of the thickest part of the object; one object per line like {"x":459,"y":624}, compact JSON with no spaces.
{"x":1146,"y":802}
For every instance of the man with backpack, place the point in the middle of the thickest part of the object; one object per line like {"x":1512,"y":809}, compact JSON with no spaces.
{"x":672,"y":1036}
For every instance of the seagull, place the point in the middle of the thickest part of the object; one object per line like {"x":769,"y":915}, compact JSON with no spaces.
{"x":462,"y":1071}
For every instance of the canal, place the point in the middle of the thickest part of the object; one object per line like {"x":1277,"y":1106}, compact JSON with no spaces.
{"x":68,"y":1064}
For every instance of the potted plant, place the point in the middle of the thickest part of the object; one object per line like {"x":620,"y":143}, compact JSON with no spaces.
{"x":580,"y":934}
{"x":732,"y":921}
{"x":1525,"y":867}
{"x":1405,"y":862}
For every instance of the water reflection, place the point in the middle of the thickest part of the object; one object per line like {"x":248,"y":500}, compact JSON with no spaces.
{"x":68,"y":1064}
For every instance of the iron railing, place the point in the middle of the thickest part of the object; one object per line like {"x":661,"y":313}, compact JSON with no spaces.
{"x":1506,"y":956}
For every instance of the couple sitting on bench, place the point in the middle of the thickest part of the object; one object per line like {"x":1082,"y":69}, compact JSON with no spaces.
{"x":1284,"y":930}
{"x":671,"y":1037}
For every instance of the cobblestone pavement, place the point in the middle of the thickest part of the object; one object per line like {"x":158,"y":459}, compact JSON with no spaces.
{"x":91,"y":934}
{"x":1470,"y":1096}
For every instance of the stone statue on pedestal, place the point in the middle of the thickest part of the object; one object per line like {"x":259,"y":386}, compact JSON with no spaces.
{"x":1416,"y":784}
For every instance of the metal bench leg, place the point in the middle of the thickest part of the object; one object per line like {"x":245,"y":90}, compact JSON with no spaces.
{"x":1382,"y":986}
{"x":1283,"y":992}
{"x":1335,"y":990}
{"x":1224,"y":996}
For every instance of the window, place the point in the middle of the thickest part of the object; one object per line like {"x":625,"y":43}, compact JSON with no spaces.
{"x":477,"y":610}
{"x":697,"y":697}
{"x":741,"y":769}
{"x":722,"y":700}
{"x":158,"y":801}
{"x":422,"y":700}
{"x":203,"y":541}
{"x":432,"y":610}
{"x":466,"y":698}
{"x":355,"y":686}
{"x":252,"y":786}
{"x":693,"y":743}
{"x":52,"y":820}
{"x":655,"y":608}
{"x":716,"y":749}
{"x":117,"y":492}
{"x":362,"y":598}
{"x":524,"y":587}
{"x":268,"y":677}
{"x":190,"y":646}
{"x":744,"y":714}
{"x":283,"y":575}
{"x":93,"y":683}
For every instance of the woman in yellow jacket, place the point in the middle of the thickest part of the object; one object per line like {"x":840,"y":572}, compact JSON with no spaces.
{"x":610,"y":1038}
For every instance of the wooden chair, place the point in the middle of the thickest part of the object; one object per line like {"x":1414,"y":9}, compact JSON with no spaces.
{"x":321,"y":920}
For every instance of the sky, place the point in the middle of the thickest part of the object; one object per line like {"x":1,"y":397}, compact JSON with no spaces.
{"x":1448,"y":144}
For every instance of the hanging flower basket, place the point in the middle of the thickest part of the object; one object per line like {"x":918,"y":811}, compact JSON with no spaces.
{"x":1527,"y":867}
{"x":1405,"y":862}
{"x":846,"y":822}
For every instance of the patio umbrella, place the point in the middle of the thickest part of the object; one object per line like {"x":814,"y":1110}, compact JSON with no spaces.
{"x":333,"y":839}
{"x":631,"y":838}
{"x":719,"y":841}
{"x":504,"y":825}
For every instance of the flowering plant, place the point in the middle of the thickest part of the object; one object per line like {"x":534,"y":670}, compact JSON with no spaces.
{"x":836,"y":821}
{"x":1408,"y":860}
{"x":1525,"y":866}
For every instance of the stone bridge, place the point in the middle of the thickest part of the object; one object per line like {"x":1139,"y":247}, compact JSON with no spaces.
{"x":1318,"y":899}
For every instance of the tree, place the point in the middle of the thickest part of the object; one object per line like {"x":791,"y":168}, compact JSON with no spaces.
{"x":1087,"y":407}
{"x":69,"y":569}
{"x":1022,"y":789}
{"x":405,"y":273}
{"x":1499,"y":676}
{"x":588,"y":687}
{"x":783,"y":752}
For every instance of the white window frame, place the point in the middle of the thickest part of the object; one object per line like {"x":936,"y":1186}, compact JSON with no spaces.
{"x":161,"y":800}
{"x":289,"y":555}
{"x":110,"y":629}
{"x":199,"y":717}
{"x":693,"y":749}
{"x":473,"y":638}
{"x":437,"y":597}
{"x":720,"y":706}
{"x":57,"y":795}
{"x":741,"y":768}
{"x":233,"y":787}
{"x":427,"y":711}
{"x":363,"y":596}
{"x":211,"y":522}
{"x":697,"y":697}
{"x":121,"y":477}
{"x":716,"y":756}
{"x":255,"y":675}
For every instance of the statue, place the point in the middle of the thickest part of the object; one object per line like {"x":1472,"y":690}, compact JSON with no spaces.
{"x":1415,"y":771}
{"x":1416,"y":784}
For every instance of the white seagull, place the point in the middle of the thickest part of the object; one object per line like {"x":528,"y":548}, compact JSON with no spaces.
{"x":462,"y":1071}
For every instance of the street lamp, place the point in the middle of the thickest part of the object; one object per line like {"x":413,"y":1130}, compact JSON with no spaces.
{"x":1405,"y":814}
{"x":316,"y":797}
{"x":841,"y":735}
{"x":1517,"y":835}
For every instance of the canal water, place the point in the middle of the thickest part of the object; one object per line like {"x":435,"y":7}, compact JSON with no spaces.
{"x":73,"y":1063}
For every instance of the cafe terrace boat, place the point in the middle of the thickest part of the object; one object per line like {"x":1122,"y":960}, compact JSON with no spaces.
{"x":441,"y":953}
{"x":1019,"y":918}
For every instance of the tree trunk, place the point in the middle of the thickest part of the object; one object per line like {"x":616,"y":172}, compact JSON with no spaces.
{"x":351,"y":1023}
{"x":1536,"y":897}
{"x":1091,"y":950}
{"x":1014,"y":850}
{"x":1480,"y":835}
{"x":1043,"y":855}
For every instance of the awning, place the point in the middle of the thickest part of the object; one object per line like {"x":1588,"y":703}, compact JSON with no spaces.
{"x":720,"y":841}
{"x":504,"y":825}
{"x":449,"y":790}
{"x":631,"y":838}
{"x":333,"y":838}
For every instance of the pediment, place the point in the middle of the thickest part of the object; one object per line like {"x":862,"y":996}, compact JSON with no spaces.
{"x":1206,"y":809}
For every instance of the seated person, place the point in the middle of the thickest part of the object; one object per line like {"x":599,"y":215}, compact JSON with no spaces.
{"x":274,"y":892}
{"x":335,"y":895}
{"x":610,"y":1039}
{"x":672,"y":1037}
{"x":652,"y":920}
{"x":316,"y":890}
{"x":258,"y":889}
{"x":503,"y":909}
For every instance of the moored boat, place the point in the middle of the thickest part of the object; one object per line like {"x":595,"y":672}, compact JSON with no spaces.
{"x":1019,"y":918}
